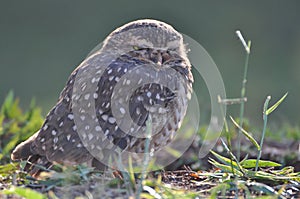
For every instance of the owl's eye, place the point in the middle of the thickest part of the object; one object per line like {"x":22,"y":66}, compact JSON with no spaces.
{"x":135,"y":47}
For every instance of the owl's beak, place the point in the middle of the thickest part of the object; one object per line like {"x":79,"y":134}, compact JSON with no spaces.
{"x":156,"y":57}
{"x":160,"y":56}
{"x":159,"y":59}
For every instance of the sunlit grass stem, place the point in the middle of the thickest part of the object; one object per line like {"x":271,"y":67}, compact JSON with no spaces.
{"x":243,"y":90}
{"x":265,"y":118}
{"x":228,"y":138}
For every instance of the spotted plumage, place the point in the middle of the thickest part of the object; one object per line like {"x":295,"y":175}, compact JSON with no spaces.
{"x":141,"y":72}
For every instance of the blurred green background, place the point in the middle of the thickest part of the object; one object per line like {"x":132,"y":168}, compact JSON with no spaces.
{"x":41,"y":42}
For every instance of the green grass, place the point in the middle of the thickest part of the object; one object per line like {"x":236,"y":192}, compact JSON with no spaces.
{"x":16,"y":125}
{"x":230,"y":174}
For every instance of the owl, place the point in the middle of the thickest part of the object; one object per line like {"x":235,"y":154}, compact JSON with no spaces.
{"x":141,"y":75}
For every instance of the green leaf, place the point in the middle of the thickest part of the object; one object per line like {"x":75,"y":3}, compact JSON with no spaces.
{"x":232,"y":156}
{"x":250,"y":163}
{"x":246,"y":133}
{"x":7,"y":102}
{"x":15,"y":110}
{"x":262,"y":175}
{"x":272,"y":108}
{"x":7,"y":169}
{"x":289,"y":170}
{"x":225,"y":168}
{"x":10,"y":107}
{"x":23,"y":192}
{"x":224,"y":160}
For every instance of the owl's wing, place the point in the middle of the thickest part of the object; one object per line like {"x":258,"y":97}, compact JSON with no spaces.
{"x":57,"y":140}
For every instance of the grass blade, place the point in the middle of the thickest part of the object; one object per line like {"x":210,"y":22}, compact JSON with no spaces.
{"x":265,"y":119}
{"x":224,"y":160}
{"x":246,"y":133}
{"x":251,"y":163}
{"x":272,"y":108}
{"x":23,"y":192}
{"x":225,"y":168}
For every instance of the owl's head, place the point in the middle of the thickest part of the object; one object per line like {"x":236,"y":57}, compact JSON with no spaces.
{"x":145,"y":33}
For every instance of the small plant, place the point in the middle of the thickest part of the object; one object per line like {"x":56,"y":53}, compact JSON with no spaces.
{"x":16,"y":126}
{"x":242,"y":173}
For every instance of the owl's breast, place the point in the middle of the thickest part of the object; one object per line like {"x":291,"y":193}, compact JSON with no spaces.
{"x":130,"y":91}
